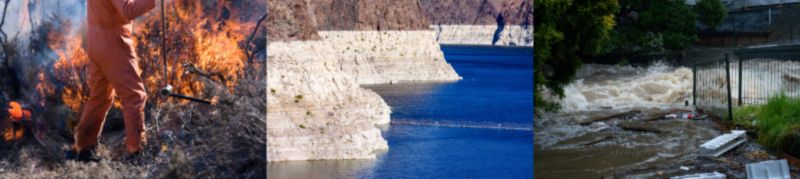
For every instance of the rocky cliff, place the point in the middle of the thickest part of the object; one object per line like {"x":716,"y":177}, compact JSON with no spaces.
{"x":479,"y":12}
{"x":457,"y":21}
{"x":314,"y":111}
{"x":381,"y":57}
{"x":509,"y":35}
{"x":481,"y":22}
{"x":290,"y":20}
{"x":316,"y":108}
{"x":369,"y":15}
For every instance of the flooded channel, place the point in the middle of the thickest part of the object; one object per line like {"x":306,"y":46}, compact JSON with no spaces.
{"x":613,"y":123}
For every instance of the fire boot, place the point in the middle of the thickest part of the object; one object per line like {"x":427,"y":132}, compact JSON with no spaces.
{"x":87,"y":155}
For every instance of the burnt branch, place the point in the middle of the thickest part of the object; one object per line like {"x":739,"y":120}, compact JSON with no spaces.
{"x":190,"y":68}
{"x":3,"y":22}
{"x":250,"y":53}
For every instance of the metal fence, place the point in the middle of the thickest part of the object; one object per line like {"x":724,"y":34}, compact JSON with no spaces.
{"x":744,"y":77}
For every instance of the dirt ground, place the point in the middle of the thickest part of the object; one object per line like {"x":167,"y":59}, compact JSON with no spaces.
{"x":191,"y":140}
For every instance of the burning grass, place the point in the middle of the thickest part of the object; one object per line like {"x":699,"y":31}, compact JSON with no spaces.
{"x":191,"y":140}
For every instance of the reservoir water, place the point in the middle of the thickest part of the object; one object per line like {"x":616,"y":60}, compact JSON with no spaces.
{"x":479,"y":127}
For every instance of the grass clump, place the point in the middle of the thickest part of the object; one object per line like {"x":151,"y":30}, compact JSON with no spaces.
{"x":775,"y":121}
{"x":745,"y":116}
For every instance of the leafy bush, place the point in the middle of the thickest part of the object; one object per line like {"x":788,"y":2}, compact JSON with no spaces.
{"x":775,"y":121}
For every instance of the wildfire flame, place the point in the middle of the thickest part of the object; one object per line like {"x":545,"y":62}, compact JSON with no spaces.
{"x":12,"y":129}
{"x":211,"y":45}
{"x":209,"y":35}
{"x":71,"y":68}
{"x":13,"y":134}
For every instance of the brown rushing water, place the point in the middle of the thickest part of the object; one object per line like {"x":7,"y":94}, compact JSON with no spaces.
{"x":565,"y":149}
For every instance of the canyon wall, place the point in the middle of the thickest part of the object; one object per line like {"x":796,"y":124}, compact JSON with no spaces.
{"x":321,"y":51}
{"x":290,"y":20}
{"x":481,"y":22}
{"x":479,"y":12}
{"x":369,"y":15}
{"x":381,"y":57}
{"x":509,"y":35}
{"x":316,"y":112}
{"x":316,"y":108}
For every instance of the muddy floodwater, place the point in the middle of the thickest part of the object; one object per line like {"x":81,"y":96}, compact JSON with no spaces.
{"x":631,"y":122}
{"x":565,"y":148}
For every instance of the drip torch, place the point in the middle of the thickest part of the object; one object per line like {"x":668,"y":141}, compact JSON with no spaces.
{"x":167,"y":90}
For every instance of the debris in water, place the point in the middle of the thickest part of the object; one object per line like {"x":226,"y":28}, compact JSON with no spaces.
{"x":608,"y":117}
{"x":669,"y":116}
{"x":604,"y":138}
{"x":639,"y":127}
{"x":712,"y":175}
{"x":597,"y":127}
{"x":717,"y":146}
{"x":772,"y":169}
{"x":757,"y":155}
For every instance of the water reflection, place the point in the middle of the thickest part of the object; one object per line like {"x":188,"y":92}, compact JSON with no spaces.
{"x":318,"y":169}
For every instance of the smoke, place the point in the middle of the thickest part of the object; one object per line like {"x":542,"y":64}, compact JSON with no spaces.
{"x":23,"y":16}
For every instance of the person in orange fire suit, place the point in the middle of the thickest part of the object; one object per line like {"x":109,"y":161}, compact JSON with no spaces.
{"x":113,"y":68}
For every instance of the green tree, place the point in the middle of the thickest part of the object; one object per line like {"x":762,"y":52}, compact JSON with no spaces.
{"x":648,"y":27}
{"x":711,"y":12}
{"x":565,"y":32}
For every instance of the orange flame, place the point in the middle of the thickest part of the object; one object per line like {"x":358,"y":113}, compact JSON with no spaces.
{"x":71,"y":68}
{"x":207,"y":37}
{"x":12,"y":134}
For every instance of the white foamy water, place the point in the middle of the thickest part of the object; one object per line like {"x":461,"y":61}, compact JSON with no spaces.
{"x":603,"y":90}
{"x":603,"y":87}
{"x":760,"y":79}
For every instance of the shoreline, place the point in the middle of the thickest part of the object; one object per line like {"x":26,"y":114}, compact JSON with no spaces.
{"x":317,"y":109}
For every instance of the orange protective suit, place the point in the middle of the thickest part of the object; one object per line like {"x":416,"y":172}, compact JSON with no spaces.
{"x":113,"y":68}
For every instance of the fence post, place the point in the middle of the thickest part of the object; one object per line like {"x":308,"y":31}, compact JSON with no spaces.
{"x":728,"y":79}
{"x":741,"y":83}
{"x":694,"y":83}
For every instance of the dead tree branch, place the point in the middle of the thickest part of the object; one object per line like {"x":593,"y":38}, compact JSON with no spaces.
{"x":3,"y":22}
{"x":190,"y":68}
{"x":250,"y":53}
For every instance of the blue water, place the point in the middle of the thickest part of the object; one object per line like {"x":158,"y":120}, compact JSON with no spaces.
{"x":497,"y":91}
{"x":479,"y":127}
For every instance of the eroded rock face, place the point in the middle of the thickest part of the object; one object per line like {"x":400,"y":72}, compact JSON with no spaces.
{"x":380,"y":57}
{"x":509,"y":35}
{"x":478,"y":12}
{"x":316,"y":112}
{"x":316,"y":108}
{"x":290,"y":20}
{"x":369,"y":15}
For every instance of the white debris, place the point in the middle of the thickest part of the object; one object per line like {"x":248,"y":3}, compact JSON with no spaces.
{"x":712,"y":175}
{"x":772,"y":169}
{"x":718,"y":146}
{"x":670,"y":116}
